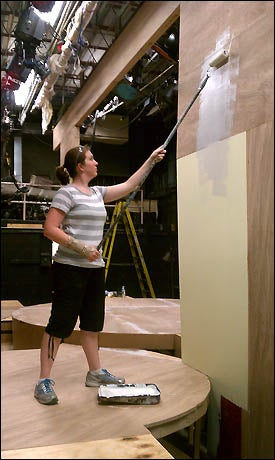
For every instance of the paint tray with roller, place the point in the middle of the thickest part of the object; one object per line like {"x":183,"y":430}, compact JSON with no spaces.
{"x":129,"y":393}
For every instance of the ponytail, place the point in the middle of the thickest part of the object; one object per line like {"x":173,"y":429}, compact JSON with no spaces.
{"x":62,"y":175}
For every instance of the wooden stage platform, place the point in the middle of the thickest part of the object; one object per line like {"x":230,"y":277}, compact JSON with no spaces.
{"x":144,"y":323}
{"x":78,"y":426}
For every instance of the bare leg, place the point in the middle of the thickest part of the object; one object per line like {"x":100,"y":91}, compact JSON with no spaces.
{"x":89,"y":342}
{"x":46,"y":363}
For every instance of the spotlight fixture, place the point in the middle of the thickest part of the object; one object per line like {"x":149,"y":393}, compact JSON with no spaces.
{"x":30,"y":27}
{"x":109,"y":107}
{"x":40,"y":67}
{"x":17,"y":69}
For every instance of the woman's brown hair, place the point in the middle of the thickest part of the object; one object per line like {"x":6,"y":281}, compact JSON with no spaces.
{"x":69,"y":168}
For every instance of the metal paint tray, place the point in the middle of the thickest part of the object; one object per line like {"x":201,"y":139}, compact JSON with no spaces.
{"x":129,"y":393}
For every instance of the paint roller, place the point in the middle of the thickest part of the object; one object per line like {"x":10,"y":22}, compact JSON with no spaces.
{"x":217,"y":60}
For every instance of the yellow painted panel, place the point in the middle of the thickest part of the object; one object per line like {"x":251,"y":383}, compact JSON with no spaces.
{"x":212,"y":227}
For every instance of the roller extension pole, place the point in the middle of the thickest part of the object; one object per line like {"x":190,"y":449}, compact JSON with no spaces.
{"x":166,"y":142}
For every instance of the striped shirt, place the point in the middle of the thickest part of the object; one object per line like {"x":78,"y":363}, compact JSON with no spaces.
{"x":84,"y":220}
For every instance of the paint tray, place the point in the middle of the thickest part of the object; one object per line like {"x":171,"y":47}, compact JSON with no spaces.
{"x":131,"y":393}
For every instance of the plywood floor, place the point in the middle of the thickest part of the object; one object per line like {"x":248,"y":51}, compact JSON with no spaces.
{"x":144,"y":323}
{"x":78,"y":417}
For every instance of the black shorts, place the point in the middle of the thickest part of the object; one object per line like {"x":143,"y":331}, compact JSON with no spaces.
{"x":77,"y":292}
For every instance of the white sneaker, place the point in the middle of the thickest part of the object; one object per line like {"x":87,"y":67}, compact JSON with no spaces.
{"x":97,"y":379}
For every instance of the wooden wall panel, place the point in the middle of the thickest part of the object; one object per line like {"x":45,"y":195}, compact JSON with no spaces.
{"x":208,"y":19}
{"x":260,"y":208}
{"x":246,"y":28}
{"x":255,"y":83}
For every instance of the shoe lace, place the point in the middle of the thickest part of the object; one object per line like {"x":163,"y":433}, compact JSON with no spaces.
{"x":47,"y":385}
{"x":107,"y":373}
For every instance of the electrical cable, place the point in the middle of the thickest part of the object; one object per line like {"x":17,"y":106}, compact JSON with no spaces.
{"x":94,"y":128}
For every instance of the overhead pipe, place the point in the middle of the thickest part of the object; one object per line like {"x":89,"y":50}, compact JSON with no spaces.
{"x":157,"y":77}
{"x":59,"y":62}
{"x":67,"y":12}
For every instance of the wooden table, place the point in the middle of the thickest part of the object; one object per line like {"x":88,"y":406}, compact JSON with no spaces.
{"x":151,"y":324}
{"x":79,"y":418}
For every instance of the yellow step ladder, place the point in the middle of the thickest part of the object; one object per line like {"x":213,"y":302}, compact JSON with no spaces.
{"x":139,"y":262}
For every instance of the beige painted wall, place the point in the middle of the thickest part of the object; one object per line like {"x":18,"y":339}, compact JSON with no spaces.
{"x":212,"y":212}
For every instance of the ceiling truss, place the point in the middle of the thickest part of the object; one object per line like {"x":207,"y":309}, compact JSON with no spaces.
{"x":149,"y":79}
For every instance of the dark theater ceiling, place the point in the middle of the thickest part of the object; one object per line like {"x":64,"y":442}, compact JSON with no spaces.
{"x":29,"y":44}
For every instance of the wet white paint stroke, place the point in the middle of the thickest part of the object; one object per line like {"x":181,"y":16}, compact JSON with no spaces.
{"x":216,"y":114}
{"x":214,"y":168}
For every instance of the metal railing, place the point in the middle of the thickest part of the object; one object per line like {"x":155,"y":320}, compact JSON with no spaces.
{"x":26,"y":200}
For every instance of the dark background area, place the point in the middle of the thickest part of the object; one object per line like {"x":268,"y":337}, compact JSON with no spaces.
{"x":30,"y":281}
{"x":148,"y":93}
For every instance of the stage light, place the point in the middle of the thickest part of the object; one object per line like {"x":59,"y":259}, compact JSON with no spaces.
{"x":17,"y":69}
{"x":30,"y":28}
{"x":10,"y":82}
{"x":171,"y":38}
{"x":129,"y":78}
{"x":29,"y":32}
{"x":40,"y":67}
{"x":171,"y":45}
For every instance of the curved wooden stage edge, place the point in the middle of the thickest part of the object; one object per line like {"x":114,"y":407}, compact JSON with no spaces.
{"x":79,"y":427}
{"x":146,"y":323}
